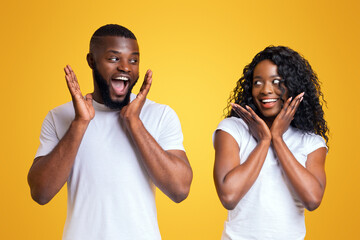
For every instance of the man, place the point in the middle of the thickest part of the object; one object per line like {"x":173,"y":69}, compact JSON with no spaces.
{"x":111,"y":148}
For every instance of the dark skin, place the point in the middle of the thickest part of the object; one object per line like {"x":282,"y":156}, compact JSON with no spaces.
{"x":233,"y":180}
{"x":115,"y":56}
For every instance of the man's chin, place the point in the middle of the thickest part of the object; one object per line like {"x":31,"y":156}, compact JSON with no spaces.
{"x":117,"y":103}
{"x":118,"y":99}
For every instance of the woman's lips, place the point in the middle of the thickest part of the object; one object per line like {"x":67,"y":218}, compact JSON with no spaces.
{"x":268,"y":102}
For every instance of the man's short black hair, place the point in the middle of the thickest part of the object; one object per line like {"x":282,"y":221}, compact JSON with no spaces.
{"x":111,"y":30}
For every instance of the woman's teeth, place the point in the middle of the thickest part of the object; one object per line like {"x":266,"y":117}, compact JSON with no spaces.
{"x":268,"y":100}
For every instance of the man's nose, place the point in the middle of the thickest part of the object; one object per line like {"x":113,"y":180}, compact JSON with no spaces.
{"x":123,"y":66}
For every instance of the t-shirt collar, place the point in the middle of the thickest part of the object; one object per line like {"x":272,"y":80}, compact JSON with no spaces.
{"x":101,"y":107}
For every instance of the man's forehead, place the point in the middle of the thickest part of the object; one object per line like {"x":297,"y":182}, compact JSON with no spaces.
{"x":114,"y":43}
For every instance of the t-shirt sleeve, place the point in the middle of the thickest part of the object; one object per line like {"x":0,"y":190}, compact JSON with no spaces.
{"x":171,"y":137}
{"x":233,"y":126}
{"x":48,"y":136}
{"x":313,"y":142}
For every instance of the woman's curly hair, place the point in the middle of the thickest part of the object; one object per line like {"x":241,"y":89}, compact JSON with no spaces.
{"x":298,"y":77}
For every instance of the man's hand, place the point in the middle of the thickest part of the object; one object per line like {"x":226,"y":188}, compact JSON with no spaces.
{"x":84,"y":110}
{"x":131,"y":112}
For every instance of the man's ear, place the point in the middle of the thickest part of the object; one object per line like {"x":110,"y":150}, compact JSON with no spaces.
{"x":90,"y":60}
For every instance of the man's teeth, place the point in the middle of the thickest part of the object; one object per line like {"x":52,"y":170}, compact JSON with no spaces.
{"x":268,"y":100}
{"x":122,"y":78}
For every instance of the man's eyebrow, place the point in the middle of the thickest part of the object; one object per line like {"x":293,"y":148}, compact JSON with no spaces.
{"x":117,"y":52}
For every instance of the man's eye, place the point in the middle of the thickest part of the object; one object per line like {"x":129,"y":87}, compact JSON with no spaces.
{"x":133,"y":61}
{"x":113,"y":59}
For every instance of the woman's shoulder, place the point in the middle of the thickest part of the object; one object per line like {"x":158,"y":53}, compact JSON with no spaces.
{"x":234,"y":126}
{"x":309,"y":141}
{"x":305,"y":136}
{"x":233,"y":123}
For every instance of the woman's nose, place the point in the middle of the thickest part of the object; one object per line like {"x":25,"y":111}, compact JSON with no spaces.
{"x":267,"y":88}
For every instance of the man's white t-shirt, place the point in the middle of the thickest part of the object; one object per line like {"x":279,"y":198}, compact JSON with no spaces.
{"x":270,"y":209}
{"x":110,"y":195}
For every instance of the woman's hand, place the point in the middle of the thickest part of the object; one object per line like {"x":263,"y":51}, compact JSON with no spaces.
{"x":286,"y":115}
{"x":257,"y":126}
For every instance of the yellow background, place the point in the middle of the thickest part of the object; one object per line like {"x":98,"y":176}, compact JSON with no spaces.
{"x":197,"y":50}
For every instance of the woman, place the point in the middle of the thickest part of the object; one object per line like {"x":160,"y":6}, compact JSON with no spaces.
{"x":270,"y":150}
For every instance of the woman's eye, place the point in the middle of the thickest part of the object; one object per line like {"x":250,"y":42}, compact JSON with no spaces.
{"x":276,"y":81}
{"x":257,"y":83}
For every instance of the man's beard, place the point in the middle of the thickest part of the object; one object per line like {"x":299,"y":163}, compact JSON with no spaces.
{"x":105,"y":92}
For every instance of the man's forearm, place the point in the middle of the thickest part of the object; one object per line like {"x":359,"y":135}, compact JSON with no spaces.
{"x":49,"y":173}
{"x":169,"y":170}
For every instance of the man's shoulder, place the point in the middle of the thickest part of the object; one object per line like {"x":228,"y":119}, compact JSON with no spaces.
{"x":63,"y":111}
{"x":58,"y":120}
{"x":154,"y":112}
{"x":64,"y":106}
{"x":152,"y":107}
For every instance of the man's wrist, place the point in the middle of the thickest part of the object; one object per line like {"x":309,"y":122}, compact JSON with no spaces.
{"x":134,"y":123}
{"x":80,"y":124}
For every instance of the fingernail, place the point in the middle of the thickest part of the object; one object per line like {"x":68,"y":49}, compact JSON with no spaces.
{"x":301,"y":99}
{"x":290,"y":98}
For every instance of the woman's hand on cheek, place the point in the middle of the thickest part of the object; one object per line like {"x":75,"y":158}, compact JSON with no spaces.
{"x":286,"y":115}
{"x":257,"y":126}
